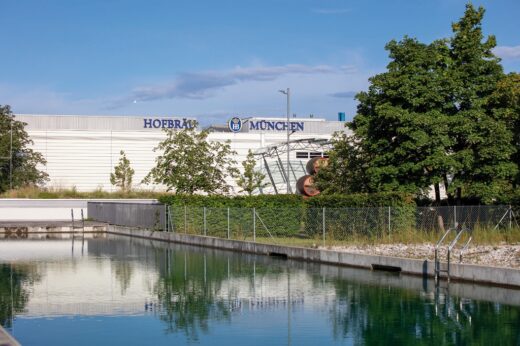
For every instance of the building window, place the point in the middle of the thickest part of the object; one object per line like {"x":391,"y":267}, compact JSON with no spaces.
{"x":302,"y":155}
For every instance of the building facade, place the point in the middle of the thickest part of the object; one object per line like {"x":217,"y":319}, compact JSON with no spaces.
{"x":81,"y":151}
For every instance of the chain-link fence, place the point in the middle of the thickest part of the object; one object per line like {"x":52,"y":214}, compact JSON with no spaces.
{"x":308,"y":226}
{"x":305,"y":226}
{"x":473,"y":217}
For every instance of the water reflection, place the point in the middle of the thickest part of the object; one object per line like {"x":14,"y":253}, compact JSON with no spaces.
{"x":14,"y":293}
{"x":196,"y":293}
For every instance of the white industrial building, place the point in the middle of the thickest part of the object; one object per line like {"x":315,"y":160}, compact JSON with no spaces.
{"x":81,"y":151}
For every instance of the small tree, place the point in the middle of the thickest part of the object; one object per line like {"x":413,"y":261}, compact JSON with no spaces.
{"x":23,"y":165}
{"x":123,"y":174}
{"x":250,"y":180}
{"x":191,"y":164}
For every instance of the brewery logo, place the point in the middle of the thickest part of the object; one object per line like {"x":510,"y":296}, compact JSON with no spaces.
{"x":235,"y":124}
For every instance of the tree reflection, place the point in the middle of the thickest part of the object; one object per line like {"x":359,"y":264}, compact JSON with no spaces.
{"x":123,"y":271}
{"x":15,"y":281}
{"x":190,"y":293}
{"x":386,"y":315}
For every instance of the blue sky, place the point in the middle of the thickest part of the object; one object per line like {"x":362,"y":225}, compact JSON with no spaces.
{"x":214,"y":59}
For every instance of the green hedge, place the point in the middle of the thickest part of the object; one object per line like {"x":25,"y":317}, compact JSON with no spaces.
{"x":290,"y":215}
{"x":365,"y":214}
{"x":218,"y":201}
{"x":384,"y":199}
{"x":278,"y":215}
{"x":361,"y":200}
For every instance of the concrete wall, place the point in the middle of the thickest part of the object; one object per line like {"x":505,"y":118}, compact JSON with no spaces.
{"x":19,"y":209}
{"x":461,"y":272}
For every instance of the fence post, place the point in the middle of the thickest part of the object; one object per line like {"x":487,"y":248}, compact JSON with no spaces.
{"x":254,"y":225}
{"x":204,"y":220}
{"x":165,"y":218}
{"x":389,"y":220}
{"x":510,"y":217}
{"x":228,"y":222}
{"x":323,"y":221}
{"x":455,"y":216}
{"x":185,"y":219}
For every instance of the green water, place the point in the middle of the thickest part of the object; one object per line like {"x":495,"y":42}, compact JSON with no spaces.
{"x":137,"y":292}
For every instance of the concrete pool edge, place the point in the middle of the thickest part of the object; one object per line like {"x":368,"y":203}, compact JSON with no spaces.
{"x":498,"y":276}
{"x":7,"y":339}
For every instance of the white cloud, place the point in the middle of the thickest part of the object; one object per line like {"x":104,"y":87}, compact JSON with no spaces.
{"x":508,"y":52}
{"x":344,"y":94}
{"x":242,"y":91}
{"x":203,"y":85}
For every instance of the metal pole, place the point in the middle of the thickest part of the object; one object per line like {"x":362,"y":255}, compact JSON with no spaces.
{"x":288,"y":134}
{"x":185,"y":219}
{"x":228,"y":223}
{"x":204,"y":269}
{"x":12,"y":298}
{"x":323,"y":226}
{"x":389,"y":221}
{"x":165,"y":219}
{"x":204,"y":220}
{"x":11,"y":157}
{"x":455,"y":216}
{"x":287,"y":93}
{"x":254,"y":225}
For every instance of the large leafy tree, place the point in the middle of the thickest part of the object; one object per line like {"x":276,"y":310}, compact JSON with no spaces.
{"x":191,"y":164}
{"x":401,"y":123}
{"x":250,"y":179}
{"x":482,"y":149}
{"x":434,"y":118}
{"x":25,"y":161}
{"x":506,"y":103}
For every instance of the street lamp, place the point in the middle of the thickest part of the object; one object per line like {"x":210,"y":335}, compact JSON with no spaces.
{"x":287,"y":93}
{"x":11,"y":157}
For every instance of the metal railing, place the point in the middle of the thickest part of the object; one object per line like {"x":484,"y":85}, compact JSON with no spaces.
{"x":143,"y":215}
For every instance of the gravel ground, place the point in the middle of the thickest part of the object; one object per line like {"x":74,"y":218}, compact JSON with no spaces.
{"x":503,"y":255}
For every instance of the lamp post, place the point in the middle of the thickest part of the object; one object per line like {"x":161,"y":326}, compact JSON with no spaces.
{"x":11,"y":158}
{"x":287,"y":93}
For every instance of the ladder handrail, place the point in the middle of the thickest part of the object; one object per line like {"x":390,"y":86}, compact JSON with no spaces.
{"x":437,"y":262}
{"x":465,"y":247}
{"x":460,"y":229}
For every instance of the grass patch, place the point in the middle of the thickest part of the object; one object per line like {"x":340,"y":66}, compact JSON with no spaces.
{"x":480,"y":237}
{"x":53,"y":193}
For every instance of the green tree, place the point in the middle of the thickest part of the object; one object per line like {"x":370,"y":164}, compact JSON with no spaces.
{"x":25,"y":161}
{"x":483,"y":143}
{"x":191,"y":164}
{"x":430,"y":120}
{"x":123,"y":173}
{"x":506,"y":103}
{"x":401,"y":124}
{"x":344,"y":173}
{"x":250,"y":180}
